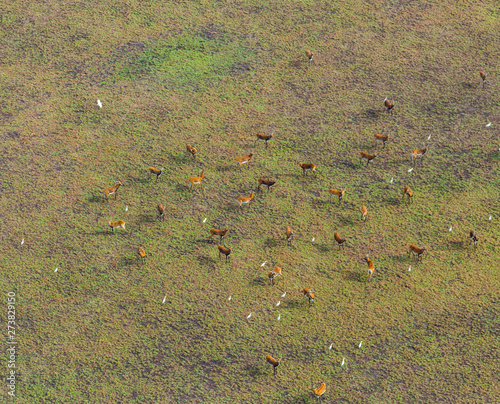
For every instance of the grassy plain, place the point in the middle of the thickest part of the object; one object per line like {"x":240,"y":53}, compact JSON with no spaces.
{"x":213,"y":74}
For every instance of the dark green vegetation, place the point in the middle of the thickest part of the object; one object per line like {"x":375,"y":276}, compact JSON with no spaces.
{"x":213,"y":74}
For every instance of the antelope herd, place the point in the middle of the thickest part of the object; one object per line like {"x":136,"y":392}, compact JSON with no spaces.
{"x":276,"y":273}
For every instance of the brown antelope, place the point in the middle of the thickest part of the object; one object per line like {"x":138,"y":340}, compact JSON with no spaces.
{"x":320,"y":391}
{"x":263,"y":137}
{"x":409,"y":193}
{"x":245,"y":199}
{"x":244,"y":160}
{"x":112,"y":190}
{"x":364,"y":213}
{"x":155,"y":171}
{"x":190,"y":149}
{"x":289,"y":235}
{"x":115,"y":225}
{"x":369,"y":157}
{"x":418,"y":153}
{"x":309,"y":55}
{"x":340,"y":241}
{"x":483,"y":77}
{"x":307,"y":167}
{"x":473,"y":237}
{"x":380,"y":138}
{"x":337,"y":192}
{"x":371,"y":267}
{"x":225,"y":251}
{"x":220,"y":233}
{"x":273,"y":362}
{"x":142,"y":253}
{"x":267,"y":183}
{"x":308,"y":294}
{"x":161,"y":212}
{"x":388,"y":105}
{"x":196,"y":180}
{"x":418,"y":252}
{"x":275,"y":273}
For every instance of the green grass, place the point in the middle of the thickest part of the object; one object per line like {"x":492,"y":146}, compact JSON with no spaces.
{"x":213,"y":75}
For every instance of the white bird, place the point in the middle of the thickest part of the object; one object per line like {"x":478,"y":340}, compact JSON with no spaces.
{"x":331,"y":345}
{"x":343,"y":361}
{"x":204,"y":220}
{"x":126,"y":208}
{"x":488,"y":125}
{"x":264,"y":263}
{"x":392,"y":179}
{"x":409,"y":269}
{"x":429,"y":138}
{"x":165,"y":298}
{"x":56,"y":269}
{"x":451,"y":228}
{"x":250,"y":315}
{"x":279,"y":316}
{"x":22,"y":241}
{"x":99,"y":103}
{"x":312,"y":240}
{"x":277,"y":304}
{"x":360,"y":344}
{"x":229,"y":298}
{"x":283,"y":295}
{"x":410,"y":170}
{"x":489,"y":218}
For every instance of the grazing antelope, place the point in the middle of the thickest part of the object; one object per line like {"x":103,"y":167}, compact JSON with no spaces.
{"x":339,"y":239}
{"x":220,"y":233}
{"x":275,"y":273}
{"x":196,"y":180}
{"x":244,"y":160}
{"x":142,"y":253}
{"x":418,"y":252}
{"x":380,"y":138}
{"x":307,"y":167}
{"x":388,"y":105}
{"x":267,"y":183}
{"x":265,"y":138}
{"x":483,"y":77}
{"x":155,"y":171}
{"x":337,"y":192}
{"x":320,"y":391}
{"x":371,"y":267}
{"x":369,"y":157}
{"x":115,"y":225}
{"x":289,"y":235}
{"x":308,"y":294}
{"x":112,"y":190}
{"x":192,"y":150}
{"x":273,"y":362}
{"x":161,"y":212}
{"x":364,"y":213}
{"x":409,"y":193}
{"x":245,"y":199}
{"x":225,"y":251}
{"x":418,"y":153}
{"x":473,"y":237}
{"x":309,"y":55}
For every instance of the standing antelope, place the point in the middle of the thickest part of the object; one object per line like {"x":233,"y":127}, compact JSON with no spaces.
{"x":320,"y":391}
{"x":307,"y":167}
{"x":289,"y":235}
{"x":190,"y":149}
{"x":245,"y":199}
{"x":308,"y":294}
{"x":340,"y":241}
{"x":483,"y":77}
{"x":112,"y":190}
{"x":196,"y":180}
{"x":418,"y":153}
{"x":161,"y":212}
{"x":371,"y":267}
{"x":267,"y":183}
{"x":142,"y":253}
{"x":220,"y":233}
{"x":418,"y":252}
{"x":337,"y":192}
{"x":409,"y":193}
{"x":364,"y":213}
{"x":225,"y":251}
{"x":473,"y":237}
{"x":309,"y":55}
{"x":155,"y":171}
{"x":380,"y":138}
{"x":244,"y":160}
{"x":369,"y":157}
{"x":273,"y":362}
{"x":265,"y":138}
{"x":115,"y":225}
{"x":389,"y":106}
{"x":275,"y":273}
